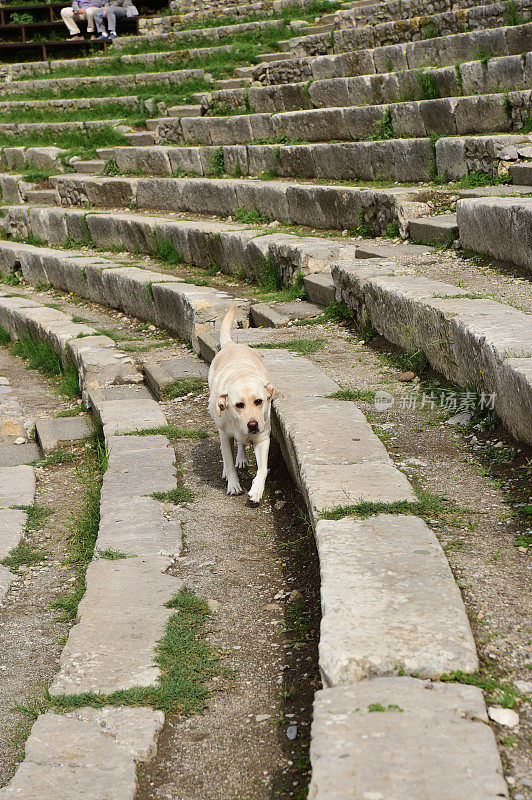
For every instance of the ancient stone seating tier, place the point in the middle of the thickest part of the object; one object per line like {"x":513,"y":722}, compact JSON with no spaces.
{"x":362,"y":165}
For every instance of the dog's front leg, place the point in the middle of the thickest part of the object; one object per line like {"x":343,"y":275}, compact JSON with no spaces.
{"x":261,"y":454}
{"x":233,"y":485}
{"x":241,"y":460}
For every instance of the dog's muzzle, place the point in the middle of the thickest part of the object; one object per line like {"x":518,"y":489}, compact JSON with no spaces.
{"x":253,"y":426}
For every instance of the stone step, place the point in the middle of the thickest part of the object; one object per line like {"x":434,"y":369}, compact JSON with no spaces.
{"x":470,"y":78}
{"x":267,"y":57}
{"x":96,"y":748}
{"x":23,"y":128}
{"x":521,"y":173}
{"x":316,"y":206}
{"x":396,"y":609}
{"x":438,"y":229}
{"x":45,"y":158}
{"x":52,"y":433}
{"x":500,"y":228}
{"x":160,"y":375}
{"x":231,"y":83}
{"x":41,"y":196}
{"x":244,"y":72}
{"x":470,"y":341}
{"x":466,"y":339}
{"x":314,"y":30}
{"x":406,"y":750}
{"x":448,"y":22}
{"x":218,"y":33}
{"x":92,"y":167}
{"x":56,"y":85}
{"x":12,"y":527}
{"x":407,"y":160}
{"x":184,"y":111}
{"x":441,"y":51}
{"x":141,"y":138}
{"x":265,"y":315}
{"x":473,"y":114}
{"x":374,"y":13}
{"x":151,"y":124}
{"x":170,"y":302}
{"x":73,"y":103}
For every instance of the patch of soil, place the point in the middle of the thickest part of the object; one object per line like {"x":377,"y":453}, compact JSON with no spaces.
{"x":259,"y":565}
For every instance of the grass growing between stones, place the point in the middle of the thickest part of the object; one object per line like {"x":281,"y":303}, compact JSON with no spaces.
{"x":171,"y":432}
{"x":113,"y":555}
{"x":180,"y":388}
{"x":495,"y":690}
{"x":366,"y":395}
{"x":42,"y":357}
{"x":85,"y":523}
{"x":302,"y":346}
{"x":181,"y":494}
{"x":188,"y":663}
{"x":74,"y":142}
{"x":429,"y":506}
{"x":25,"y":554}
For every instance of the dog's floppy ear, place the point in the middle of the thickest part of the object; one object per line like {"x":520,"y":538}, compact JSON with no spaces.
{"x":270,"y":391}
{"x":221,"y":403}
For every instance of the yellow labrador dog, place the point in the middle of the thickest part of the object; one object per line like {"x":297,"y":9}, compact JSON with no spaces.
{"x":239,"y":403}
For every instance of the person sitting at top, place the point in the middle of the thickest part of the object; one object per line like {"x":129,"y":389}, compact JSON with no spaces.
{"x":81,"y":10}
{"x":117,"y":9}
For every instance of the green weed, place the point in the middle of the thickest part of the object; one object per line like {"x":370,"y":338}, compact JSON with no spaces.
{"x":181,"y":494}
{"x":303,"y":346}
{"x":188,"y":664}
{"x":366,"y":395}
{"x":180,"y":388}
{"x":85,"y":524}
{"x":171,"y":432}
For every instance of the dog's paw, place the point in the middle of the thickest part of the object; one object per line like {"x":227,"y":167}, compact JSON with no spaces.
{"x":255,"y":493}
{"x":233,"y":487}
{"x":241,"y":463}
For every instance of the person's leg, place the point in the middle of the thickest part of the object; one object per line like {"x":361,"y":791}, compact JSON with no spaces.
{"x":68,"y":18}
{"x":89,"y":16}
{"x":114,"y":13}
{"x":99,"y":21}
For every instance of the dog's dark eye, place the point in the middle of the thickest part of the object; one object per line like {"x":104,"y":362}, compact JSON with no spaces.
{"x":258,"y":402}
{"x":240,"y":405}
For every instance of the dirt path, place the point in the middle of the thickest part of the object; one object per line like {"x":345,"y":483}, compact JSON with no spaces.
{"x":259,"y":566}
{"x":31,"y":632}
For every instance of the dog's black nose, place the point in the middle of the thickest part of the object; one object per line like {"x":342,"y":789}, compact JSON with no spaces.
{"x":253,"y":426}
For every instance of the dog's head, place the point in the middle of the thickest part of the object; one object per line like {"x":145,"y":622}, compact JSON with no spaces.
{"x":247,"y":401}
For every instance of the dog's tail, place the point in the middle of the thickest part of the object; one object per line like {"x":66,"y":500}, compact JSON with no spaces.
{"x":225,"y":330}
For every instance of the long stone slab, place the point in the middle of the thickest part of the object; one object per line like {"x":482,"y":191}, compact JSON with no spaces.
{"x":90,"y":754}
{"x":17,"y":486}
{"x":318,"y":206}
{"x":125,"y":416}
{"x":471,"y":342}
{"x":138,"y":526}
{"x":442,"y":50}
{"x":389,"y":602}
{"x":403,"y":738}
{"x":470,"y":114}
{"x":12,"y":524}
{"x":138,"y":466}
{"x":120,"y":620}
{"x":498,"y":227}
{"x":185,"y":309}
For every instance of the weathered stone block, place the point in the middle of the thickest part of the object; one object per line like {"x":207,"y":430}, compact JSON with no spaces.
{"x":389,"y":600}
{"x":359,"y":751}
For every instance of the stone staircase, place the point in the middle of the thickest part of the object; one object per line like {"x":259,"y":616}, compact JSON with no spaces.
{"x":341,"y":158}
